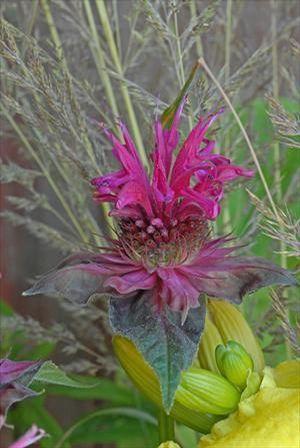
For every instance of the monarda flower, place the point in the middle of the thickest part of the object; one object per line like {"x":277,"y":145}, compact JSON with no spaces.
{"x":33,"y":435}
{"x":15,"y":378}
{"x":163,"y":261}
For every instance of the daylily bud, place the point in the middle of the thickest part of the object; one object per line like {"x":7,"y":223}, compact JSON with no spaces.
{"x":147,"y":382}
{"x":234,"y":363}
{"x":224,"y":322}
{"x":169,"y":444}
{"x":206,"y":391}
{"x":210,"y":339}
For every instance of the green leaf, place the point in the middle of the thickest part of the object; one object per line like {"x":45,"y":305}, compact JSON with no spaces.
{"x":104,"y":389}
{"x":167,"y":344}
{"x":168,"y":115}
{"x":51,"y":374}
{"x":103,"y":416}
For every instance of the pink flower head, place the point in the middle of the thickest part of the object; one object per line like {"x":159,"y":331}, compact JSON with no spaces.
{"x":189,"y":185}
{"x":34,"y":434}
{"x":162,"y":243}
{"x":15,"y":377}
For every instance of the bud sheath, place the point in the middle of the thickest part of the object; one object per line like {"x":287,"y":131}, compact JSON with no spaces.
{"x":234,"y":363}
{"x":206,"y":391}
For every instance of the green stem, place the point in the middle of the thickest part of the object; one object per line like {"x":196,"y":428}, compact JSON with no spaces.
{"x":101,"y":8}
{"x":166,"y":429}
{"x":199,"y":47}
{"x":226,"y":211}
{"x":181,"y":75}
{"x":276,"y":148}
{"x":244,"y":132}
{"x":39,"y":162}
{"x":53,"y":32}
{"x":60,"y":55}
{"x":111,"y":412}
{"x":100,"y":60}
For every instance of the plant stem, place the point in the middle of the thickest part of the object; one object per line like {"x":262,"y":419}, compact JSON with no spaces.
{"x":166,"y":429}
{"x":199,"y":47}
{"x":39,"y":162}
{"x":101,"y":8}
{"x":244,"y":132}
{"x":276,"y":147}
{"x":181,"y":75}
{"x":275,"y":83}
{"x":53,"y":32}
{"x":111,"y":412}
{"x":62,"y":59}
{"x":100,"y":60}
{"x":228,"y":39}
{"x":226,"y":211}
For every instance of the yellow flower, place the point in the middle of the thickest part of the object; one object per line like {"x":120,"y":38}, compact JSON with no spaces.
{"x":169,"y":444}
{"x":287,"y":374}
{"x":267,"y":419}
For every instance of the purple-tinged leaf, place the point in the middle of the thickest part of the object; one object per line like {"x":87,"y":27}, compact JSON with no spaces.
{"x":15,"y":377}
{"x":233,"y":277}
{"x":77,"y":278}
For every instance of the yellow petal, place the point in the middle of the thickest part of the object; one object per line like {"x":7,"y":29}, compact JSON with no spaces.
{"x":232,"y":325}
{"x":268,"y":419}
{"x":210,"y":339}
{"x":145,"y":379}
{"x":169,"y":444}
{"x":287,"y":374}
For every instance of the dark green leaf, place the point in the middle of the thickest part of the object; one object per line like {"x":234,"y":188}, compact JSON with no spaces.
{"x":166,"y":344}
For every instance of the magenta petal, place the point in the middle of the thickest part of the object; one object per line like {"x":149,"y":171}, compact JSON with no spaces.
{"x":12,"y":370}
{"x":34,"y":434}
{"x":231,"y":172}
{"x":15,"y":376}
{"x":134,"y":281}
{"x":134,"y":193}
{"x":210,"y":207}
{"x":178,"y":292}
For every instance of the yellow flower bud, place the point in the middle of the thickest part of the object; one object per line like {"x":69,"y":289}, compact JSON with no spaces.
{"x":210,"y":339}
{"x":234,"y":363}
{"x":206,"y":391}
{"x":169,"y":444}
{"x":145,"y":379}
{"x":224,"y":321}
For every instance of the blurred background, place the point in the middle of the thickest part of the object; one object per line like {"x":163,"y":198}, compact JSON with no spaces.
{"x":68,"y":64}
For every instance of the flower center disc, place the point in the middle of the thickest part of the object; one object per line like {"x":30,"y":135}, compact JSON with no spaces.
{"x":158,"y":244}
